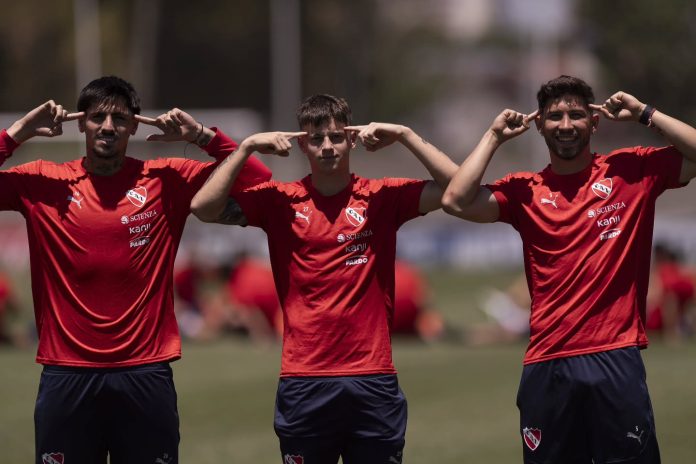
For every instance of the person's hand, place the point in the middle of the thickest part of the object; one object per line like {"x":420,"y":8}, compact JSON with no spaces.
{"x":377,"y":135}
{"x":44,"y":121}
{"x":620,"y":107}
{"x":176,"y":125}
{"x":271,"y":143}
{"x":511,"y":123}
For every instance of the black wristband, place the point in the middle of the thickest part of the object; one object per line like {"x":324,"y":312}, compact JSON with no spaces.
{"x":646,"y":115}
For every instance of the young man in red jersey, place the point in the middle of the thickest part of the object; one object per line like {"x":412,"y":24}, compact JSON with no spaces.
{"x":103,"y":234}
{"x":332,"y":243}
{"x":586,"y":224}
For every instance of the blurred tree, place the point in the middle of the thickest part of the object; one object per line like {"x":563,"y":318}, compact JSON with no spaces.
{"x":36,"y":54}
{"x":645,"y":48}
{"x":380,"y":66}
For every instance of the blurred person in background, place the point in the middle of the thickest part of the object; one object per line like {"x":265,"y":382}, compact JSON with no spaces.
{"x":586,"y":224}
{"x":103,"y":234}
{"x":413,"y":312}
{"x":332,"y":244}
{"x":215,"y":298}
{"x":508,"y":315}
{"x":10,"y":309}
{"x":670,"y":295}
{"x":251,"y":288}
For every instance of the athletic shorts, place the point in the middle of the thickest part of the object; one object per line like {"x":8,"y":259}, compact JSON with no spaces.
{"x":360,"y":418}
{"x":587,"y":409}
{"x":83,"y":414}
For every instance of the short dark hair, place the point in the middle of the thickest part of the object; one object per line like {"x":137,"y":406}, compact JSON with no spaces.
{"x":108,"y":89}
{"x":564,"y":85}
{"x":320,"y":109}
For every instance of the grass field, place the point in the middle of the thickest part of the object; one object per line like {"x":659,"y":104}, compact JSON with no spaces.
{"x":461,"y":399}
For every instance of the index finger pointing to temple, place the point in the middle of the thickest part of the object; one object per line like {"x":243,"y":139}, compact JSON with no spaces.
{"x":145,"y":120}
{"x":73,"y":116}
{"x":533,"y":114}
{"x":354,"y":128}
{"x":292,"y":135}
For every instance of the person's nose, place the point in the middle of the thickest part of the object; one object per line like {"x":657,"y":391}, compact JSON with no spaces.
{"x":566,"y":123}
{"x":326,"y":143}
{"x":108,"y":124}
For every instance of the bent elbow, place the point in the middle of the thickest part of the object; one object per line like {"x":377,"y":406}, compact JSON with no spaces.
{"x":450,"y":204}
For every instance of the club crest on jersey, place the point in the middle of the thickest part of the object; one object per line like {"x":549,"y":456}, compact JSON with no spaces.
{"x":355,"y":216}
{"x":532,"y":437}
{"x":602,"y":188}
{"x":137,"y":196}
{"x":293,"y":459}
{"x":52,"y":458}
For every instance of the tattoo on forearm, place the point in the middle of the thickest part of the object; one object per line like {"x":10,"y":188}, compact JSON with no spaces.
{"x":232,"y":214}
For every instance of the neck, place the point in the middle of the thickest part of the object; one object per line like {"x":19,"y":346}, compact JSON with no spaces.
{"x":103,"y":168}
{"x":570,"y":166}
{"x":330,"y":184}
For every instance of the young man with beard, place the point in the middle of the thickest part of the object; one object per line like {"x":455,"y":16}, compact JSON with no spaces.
{"x":103,"y":234}
{"x":332,"y":243}
{"x":586,"y":225}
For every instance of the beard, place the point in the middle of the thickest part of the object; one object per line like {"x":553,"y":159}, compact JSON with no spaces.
{"x":567,"y":150}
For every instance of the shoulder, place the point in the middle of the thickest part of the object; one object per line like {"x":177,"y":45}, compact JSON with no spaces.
{"x":50,"y":169}
{"x":523,"y":179}
{"x":366,"y":185}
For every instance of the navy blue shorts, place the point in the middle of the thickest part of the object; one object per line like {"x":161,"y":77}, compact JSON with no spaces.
{"x":83,"y":414}
{"x":585,"y":409}
{"x":360,"y":418}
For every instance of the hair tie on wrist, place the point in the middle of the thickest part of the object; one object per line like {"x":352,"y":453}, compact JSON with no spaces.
{"x":646,"y":116}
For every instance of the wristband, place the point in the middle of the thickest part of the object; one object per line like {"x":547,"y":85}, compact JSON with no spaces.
{"x":200,"y":138}
{"x":646,"y":116}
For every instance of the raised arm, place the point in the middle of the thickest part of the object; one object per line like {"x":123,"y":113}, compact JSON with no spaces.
{"x":212,"y":202}
{"x":625,"y":107}
{"x":375,"y":136}
{"x":178,"y":125}
{"x":465,"y":197}
{"x":44,"y":121}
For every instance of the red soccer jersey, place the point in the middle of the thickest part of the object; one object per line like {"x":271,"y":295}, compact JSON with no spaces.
{"x":333,"y":263}
{"x":102,"y":251}
{"x":587,"y":242}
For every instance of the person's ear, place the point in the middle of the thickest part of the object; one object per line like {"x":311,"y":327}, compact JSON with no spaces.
{"x":302,"y":143}
{"x":81,"y":125}
{"x":594,"y":121}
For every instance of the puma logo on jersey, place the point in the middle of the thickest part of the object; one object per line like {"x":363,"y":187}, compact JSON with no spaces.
{"x":551,"y":200}
{"x":303,"y":216}
{"x":75,"y":198}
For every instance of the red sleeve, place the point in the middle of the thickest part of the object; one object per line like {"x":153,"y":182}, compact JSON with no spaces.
{"x":253,"y":172}
{"x":499,"y":189}
{"x":7,"y":146}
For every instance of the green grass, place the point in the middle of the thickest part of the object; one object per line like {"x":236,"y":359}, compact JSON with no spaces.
{"x":461,"y":399}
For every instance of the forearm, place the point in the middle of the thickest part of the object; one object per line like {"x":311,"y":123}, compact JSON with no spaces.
{"x":439,"y":165}
{"x":677,"y":133}
{"x":210,"y":201}
{"x":220,"y":146}
{"x":464,"y":186}
{"x":19,"y":132}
